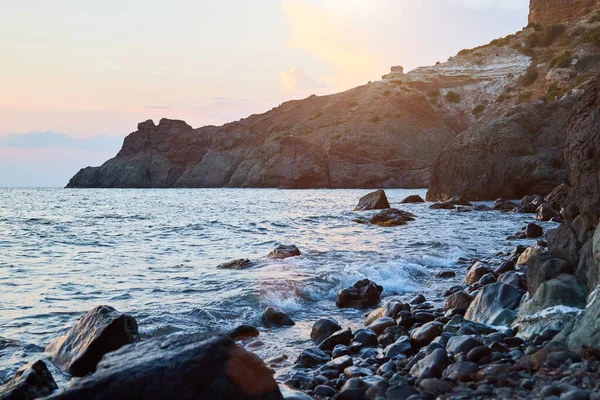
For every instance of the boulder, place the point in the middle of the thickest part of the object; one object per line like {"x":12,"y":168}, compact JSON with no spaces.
{"x":284,"y":251}
{"x":505,"y":205}
{"x":586,"y":329}
{"x":413,"y":198}
{"x":462,"y":344}
{"x":458,"y":301}
{"x":553,"y":305}
{"x":390,"y":309}
{"x":462,"y":371}
{"x":353,"y":389}
{"x":340,"y":337}
{"x":545,"y":212}
{"x":544,"y":267}
{"x":495,"y":304}
{"x":373,"y":201}
{"x":506,"y":266}
{"x":392,"y":217}
{"x":31,"y":381}
{"x":366,"y":337}
{"x":241,"y":263}
{"x":476,"y":272}
{"x":425,"y":334}
{"x":529,"y":253}
{"x":514,"y":278}
{"x":442,"y":206}
{"x":390,"y":335}
{"x":563,"y":243}
{"x":588,"y":269}
{"x":585,"y":225}
{"x":382,"y":324}
{"x":273,"y":318}
{"x":323,"y":328}
{"x":401,"y":346}
{"x":100,"y":331}
{"x":312,"y":357}
{"x":432,"y":365}
{"x":459,"y":201}
{"x":186,"y":365}
{"x":243,"y":331}
{"x":558,"y":196}
{"x":363,"y":294}
{"x":533,"y":231}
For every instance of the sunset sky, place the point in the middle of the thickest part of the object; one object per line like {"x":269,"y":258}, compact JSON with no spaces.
{"x":86,"y":68}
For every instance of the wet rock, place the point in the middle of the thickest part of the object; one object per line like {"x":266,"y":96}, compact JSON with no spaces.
{"x":406,"y":319}
{"x":442,"y":206}
{"x":462,"y":371}
{"x":31,"y":381}
{"x":392,"y":217}
{"x":478,"y":353}
{"x":401,"y":391}
{"x":558,"y":196}
{"x":418,"y":299}
{"x":390,"y":309}
{"x":495,"y":304}
{"x":558,"y":358}
{"x":339,"y":351}
{"x":363,"y":294}
{"x":284,"y":251}
{"x":459,"y":201}
{"x":160,"y":367}
{"x":340,"y":337}
{"x":290,"y":394}
{"x":340,"y":363}
{"x":453,"y":289}
{"x":504,"y":205}
{"x":366,"y":337}
{"x":325,"y":391}
{"x":445,"y":274}
{"x":514,"y":278}
{"x":323,"y":328}
{"x":563,"y":243}
{"x":432,"y":365}
{"x":459,"y":301}
{"x":381,"y":325}
{"x":357,"y":372}
{"x":576,"y":394}
{"x":586,"y":330}
{"x":544,"y":267}
{"x":390,"y":335}
{"x":533,"y":231}
{"x":273,"y":318}
{"x":462,"y":344}
{"x":457,"y":324}
{"x":100,"y":331}
{"x":545,"y":212}
{"x":373,"y":201}
{"x":241,"y":263}
{"x":353,"y":389}
{"x":436,"y":386}
{"x":487,"y":279}
{"x":413,"y":198}
{"x":401,"y":346}
{"x":423,"y":335}
{"x":312,"y":357}
{"x":243,"y":331}
{"x":506,"y":266}
{"x":476,"y":272}
{"x":529,"y":253}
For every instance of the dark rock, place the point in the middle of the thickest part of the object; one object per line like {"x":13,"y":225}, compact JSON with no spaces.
{"x":445,"y":274}
{"x":557,"y":198}
{"x":478,"y":353}
{"x":339,"y":351}
{"x":325,"y":391}
{"x":340,"y":337}
{"x":487,"y":279}
{"x":457,"y":323}
{"x":514,"y":278}
{"x":31,"y":381}
{"x":241,"y":263}
{"x":340,"y":363}
{"x":495,"y":304}
{"x":462,"y":344}
{"x":432,"y":365}
{"x":563,"y":243}
{"x":558,"y":358}
{"x":366,"y":337}
{"x":423,"y":335}
{"x":459,"y":201}
{"x":381,"y":325}
{"x":406,"y":319}
{"x":436,"y":386}
{"x":401,"y":391}
{"x":353,"y":389}
{"x":362,"y":295}
{"x":284,"y":251}
{"x":545,"y":212}
{"x":323,"y":328}
{"x":505,"y":205}
{"x":424,"y":317}
{"x":273,"y":318}
{"x":418,"y":299}
{"x":373,"y":201}
{"x":442,"y":206}
{"x":401,"y":346}
{"x":312,"y":357}
{"x":544,"y":267}
{"x":463,"y":371}
{"x":413,"y":198}
{"x":584,"y":226}
{"x":533,"y":230}
{"x":390,"y":335}
{"x":100,"y":331}
{"x":576,"y":394}
{"x":243,"y":331}
{"x":453,"y":290}
{"x":506,"y":266}
{"x":392,"y":217}
{"x":160,"y":367}
{"x":476,"y":272}
{"x":390,"y":309}
{"x":588,"y":270}
{"x":459,"y":300}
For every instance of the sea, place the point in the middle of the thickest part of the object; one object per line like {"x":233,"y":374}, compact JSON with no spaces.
{"x":153,"y":254}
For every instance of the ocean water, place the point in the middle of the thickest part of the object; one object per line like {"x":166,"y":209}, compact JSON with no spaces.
{"x":153,"y":254}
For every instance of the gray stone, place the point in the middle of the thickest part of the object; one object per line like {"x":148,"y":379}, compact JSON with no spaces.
{"x":495,"y":305}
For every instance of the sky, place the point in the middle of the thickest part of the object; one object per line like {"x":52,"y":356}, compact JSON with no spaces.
{"x":97,"y":68}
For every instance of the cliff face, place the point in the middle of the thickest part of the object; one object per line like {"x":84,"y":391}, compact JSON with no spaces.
{"x":377,"y":135}
{"x":558,"y":11}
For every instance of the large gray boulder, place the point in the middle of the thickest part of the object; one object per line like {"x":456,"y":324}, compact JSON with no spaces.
{"x":178,"y":366}
{"x":543,"y":267}
{"x":495,"y":305}
{"x":100,"y":331}
{"x":373,"y":201}
{"x":563,"y":243}
{"x":31,"y":381}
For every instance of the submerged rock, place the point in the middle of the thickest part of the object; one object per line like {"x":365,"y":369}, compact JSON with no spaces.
{"x":545,"y":212}
{"x":273,"y":318}
{"x":323,"y":328}
{"x":100,"y":331}
{"x":413,"y":198}
{"x":373,"y":201}
{"x":283,"y":251}
{"x":241,"y":263}
{"x":243,"y":331}
{"x":31,"y":381}
{"x":184,"y":366}
{"x":392,"y":217}
{"x":363,"y":294}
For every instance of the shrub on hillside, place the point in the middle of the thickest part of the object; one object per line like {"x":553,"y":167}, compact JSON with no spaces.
{"x":453,"y":97}
{"x":525,"y":96}
{"x":375,"y":119}
{"x":433,"y":93}
{"x":562,"y":61}
{"x":478,"y":110}
{"x":530,"y":76}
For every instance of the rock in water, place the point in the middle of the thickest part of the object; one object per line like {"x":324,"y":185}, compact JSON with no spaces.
{"x":284,"y":251}
{"x":178,"y":366}
{"x":323,"y":328}
{"x":243,"y":331}
{"x":273,"y":318}
{"x":545,"y":212}
{"x":392,"y":217}
{"x":558,"y":197}
{"x":495,"y":305}
{"x":373,"y":201}
{"x":363,"y":294}
{"x":312,"y":357}
{"x":476,"y":272}
{"x":100,"y":331}
{"x":241,"y":263}
{"x":31,"y":381}
{"x":413,"y":198}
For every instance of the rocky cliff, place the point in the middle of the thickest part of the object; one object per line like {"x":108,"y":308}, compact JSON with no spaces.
{"x":557,"y":11}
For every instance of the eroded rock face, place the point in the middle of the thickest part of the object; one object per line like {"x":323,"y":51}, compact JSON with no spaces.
{"x":183,"y":365}
{"x":100,"y":331}
{"x":557,"y":11}
{"x":507,"y":158}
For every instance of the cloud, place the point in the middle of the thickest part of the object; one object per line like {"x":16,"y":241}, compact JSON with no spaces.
{"x":53,"y":140}
{"x":502,"y":4}
{"x":295,"y":80}
{"x":157,"y":107}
